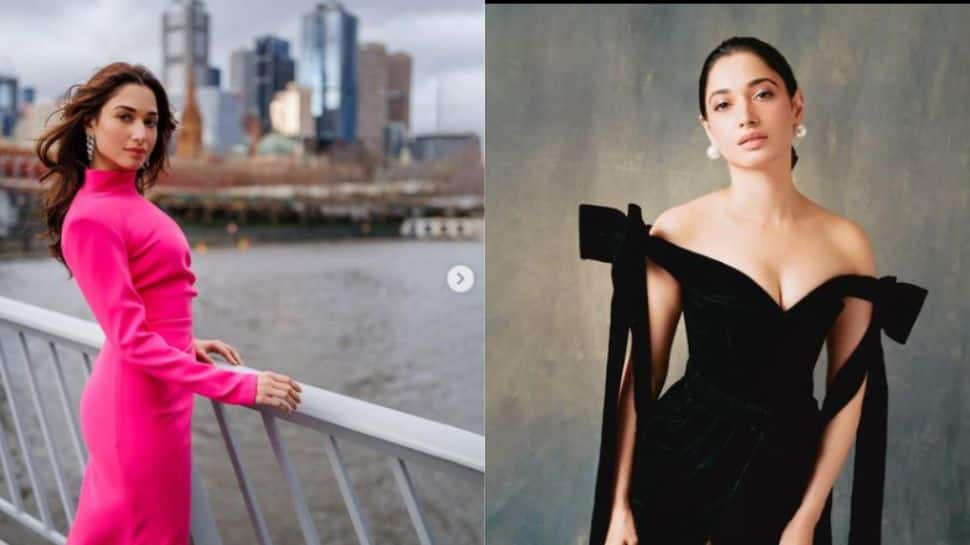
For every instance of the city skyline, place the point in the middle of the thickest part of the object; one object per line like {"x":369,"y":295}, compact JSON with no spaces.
{"x":445,"y":40}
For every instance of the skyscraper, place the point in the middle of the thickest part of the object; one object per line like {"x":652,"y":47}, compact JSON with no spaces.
{"x":273,"y":69}
{"x":242,"y":79}
{"x":384,"y":97}
{"x":185,"y":37}
{"x":372,"y":96}
{"x":222,"y":119}
{"x":328,"y":66}
{"x":399,"y":88}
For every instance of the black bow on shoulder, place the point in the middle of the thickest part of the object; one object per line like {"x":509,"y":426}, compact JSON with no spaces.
{"x":900,"y":304}
{"x":606,"y":234}
{"x":603,"y":230}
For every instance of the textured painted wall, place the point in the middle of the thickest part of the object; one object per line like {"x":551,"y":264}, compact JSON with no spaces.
{"x":599,"y":104}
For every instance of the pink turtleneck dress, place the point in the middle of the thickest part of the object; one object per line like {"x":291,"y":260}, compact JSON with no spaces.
{"x":132,"y":264}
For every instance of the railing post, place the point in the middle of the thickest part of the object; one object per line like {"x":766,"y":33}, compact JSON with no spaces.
{"x":292,"y":479}
{"x":411,"y":500}
{"x":347,"y":489}
{"x":252,"y":504}
{"x":69,"y":415}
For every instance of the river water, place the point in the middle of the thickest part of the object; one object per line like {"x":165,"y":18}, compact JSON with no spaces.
{"x":368,"y":318}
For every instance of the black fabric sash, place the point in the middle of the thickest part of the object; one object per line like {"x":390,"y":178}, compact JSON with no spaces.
{"x":607,"y":235}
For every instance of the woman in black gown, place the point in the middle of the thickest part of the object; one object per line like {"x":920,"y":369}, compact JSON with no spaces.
{"x":738,"y":451}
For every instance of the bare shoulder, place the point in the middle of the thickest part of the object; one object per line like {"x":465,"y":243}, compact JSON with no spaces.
{"x":851,"y":240}
{"x":675,"y":223}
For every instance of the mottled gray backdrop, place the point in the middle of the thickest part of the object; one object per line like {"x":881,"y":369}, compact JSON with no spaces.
{"x":599,"y":104}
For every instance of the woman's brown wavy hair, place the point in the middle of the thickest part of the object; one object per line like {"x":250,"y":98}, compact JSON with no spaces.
{"x":62,"y":146}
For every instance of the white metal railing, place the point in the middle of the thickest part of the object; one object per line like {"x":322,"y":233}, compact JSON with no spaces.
{"x":403,"y":438}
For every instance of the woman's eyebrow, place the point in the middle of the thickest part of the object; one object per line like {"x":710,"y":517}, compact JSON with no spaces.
{"x":751,"y":83}
{"x":129,"y":108}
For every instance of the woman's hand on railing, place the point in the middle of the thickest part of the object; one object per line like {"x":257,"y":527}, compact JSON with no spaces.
{"x":204,"y":346}
{"x":277,"y":391}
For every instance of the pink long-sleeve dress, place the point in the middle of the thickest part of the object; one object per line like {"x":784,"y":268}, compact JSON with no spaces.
{"x":132,"y":264}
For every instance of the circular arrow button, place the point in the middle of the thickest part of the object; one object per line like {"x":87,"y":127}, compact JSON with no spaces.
{"x":460,"y":278}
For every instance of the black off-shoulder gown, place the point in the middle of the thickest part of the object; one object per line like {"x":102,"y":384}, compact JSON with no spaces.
{"x":726,"y":453}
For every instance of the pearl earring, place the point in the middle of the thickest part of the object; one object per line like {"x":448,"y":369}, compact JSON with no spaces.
{"x":800,"y":131}
{"x":712,"y":152}
{"x":90,"y":146}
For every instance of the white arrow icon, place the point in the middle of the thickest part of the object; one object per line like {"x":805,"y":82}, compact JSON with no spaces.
{"x":460,"y":278}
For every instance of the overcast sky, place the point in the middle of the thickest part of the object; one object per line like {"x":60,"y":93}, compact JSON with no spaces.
{"x":52,"y":44}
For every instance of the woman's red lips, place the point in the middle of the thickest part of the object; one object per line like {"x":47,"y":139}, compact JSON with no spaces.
{"x":751,"y":136}
{"x":753,"y":143}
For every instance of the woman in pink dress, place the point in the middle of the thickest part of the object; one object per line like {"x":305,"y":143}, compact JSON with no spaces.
{"x":131,"y":262}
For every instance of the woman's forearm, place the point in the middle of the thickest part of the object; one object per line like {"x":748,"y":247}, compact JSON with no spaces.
{"x":836,"y":441}
{"x":626,"y":436}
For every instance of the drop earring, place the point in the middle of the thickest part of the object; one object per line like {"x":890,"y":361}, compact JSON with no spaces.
{"x":712,"y":152}
{"x":800,"y":131}
{"x":90,"y":146}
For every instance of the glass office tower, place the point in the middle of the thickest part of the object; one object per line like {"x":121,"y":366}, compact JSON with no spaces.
{"x":328,"y":66}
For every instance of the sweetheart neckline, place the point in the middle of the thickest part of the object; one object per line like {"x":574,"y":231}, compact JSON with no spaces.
{"x":753,"y":283}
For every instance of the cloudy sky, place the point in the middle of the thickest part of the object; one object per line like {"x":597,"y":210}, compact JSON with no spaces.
{"x":52,"y":44}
